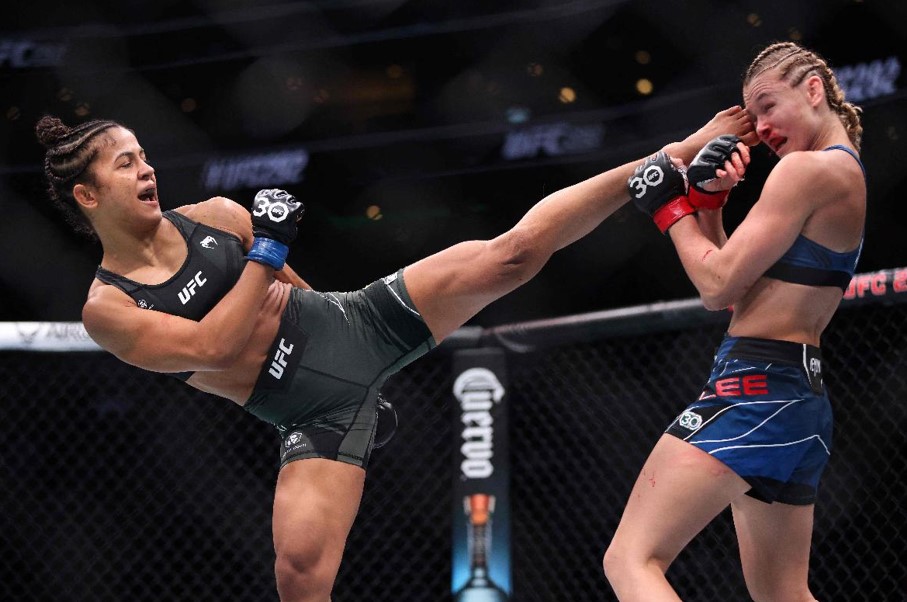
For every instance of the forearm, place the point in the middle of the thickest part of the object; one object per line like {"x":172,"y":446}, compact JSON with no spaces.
{"x":230,"y":324}
{"x":226,"y":329}
{"x":701,"y":260}
{"x":712,"y":227}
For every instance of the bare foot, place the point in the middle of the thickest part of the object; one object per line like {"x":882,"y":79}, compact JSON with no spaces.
{"x":733,"y":120}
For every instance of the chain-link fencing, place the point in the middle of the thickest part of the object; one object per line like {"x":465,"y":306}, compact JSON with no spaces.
{"x":117,"y":484}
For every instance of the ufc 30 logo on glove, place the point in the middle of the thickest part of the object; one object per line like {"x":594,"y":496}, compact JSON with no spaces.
{"x":276,"y":203}
{"x":659,"y":189}
{"x":274,"y":216}
{"x":652,"y":175}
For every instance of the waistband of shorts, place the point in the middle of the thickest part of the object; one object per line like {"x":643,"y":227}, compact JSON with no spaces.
{"x":768,"y":349}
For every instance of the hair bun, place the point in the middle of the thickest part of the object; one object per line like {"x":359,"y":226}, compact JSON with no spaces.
{"x":50,"y":131}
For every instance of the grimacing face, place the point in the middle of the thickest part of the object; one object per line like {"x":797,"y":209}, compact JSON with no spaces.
{"x":781,"y":113}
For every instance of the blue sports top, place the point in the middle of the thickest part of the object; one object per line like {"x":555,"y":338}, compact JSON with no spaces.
{"x":214,"y":262}
{"x":808,"y":262}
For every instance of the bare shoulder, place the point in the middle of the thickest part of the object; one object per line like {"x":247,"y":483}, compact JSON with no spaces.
{"x":221,"y":213}
{"x":103,"y":311}
{"x":820,"y":168}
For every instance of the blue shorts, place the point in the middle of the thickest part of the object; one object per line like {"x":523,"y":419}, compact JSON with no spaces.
{"x":766,"y":414}
{"x":330,"y":357}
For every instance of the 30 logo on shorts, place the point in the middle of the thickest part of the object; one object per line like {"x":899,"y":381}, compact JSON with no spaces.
{"x":690,"y":420}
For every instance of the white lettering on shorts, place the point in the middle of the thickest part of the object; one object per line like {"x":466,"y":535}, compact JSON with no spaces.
{"x":280,"y":359}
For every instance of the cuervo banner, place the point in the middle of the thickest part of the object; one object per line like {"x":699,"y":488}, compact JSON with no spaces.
{"x":481,"y":500}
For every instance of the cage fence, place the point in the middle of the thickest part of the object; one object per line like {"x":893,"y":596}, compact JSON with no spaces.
{"x":118,"y":484}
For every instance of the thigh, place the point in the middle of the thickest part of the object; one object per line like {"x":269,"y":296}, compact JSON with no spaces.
{"x":774,"y":543}
{"x":678,"y":492}
{"x":315,"y":504}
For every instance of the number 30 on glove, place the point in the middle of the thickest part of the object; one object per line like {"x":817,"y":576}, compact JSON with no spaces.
{"x":274,"y":216}
{"x":659,"y":189}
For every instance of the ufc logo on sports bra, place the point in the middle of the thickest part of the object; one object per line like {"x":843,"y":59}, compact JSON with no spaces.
{"x":189,"y":290}
{"x":752,"y":384}
{"x":280,"y":359}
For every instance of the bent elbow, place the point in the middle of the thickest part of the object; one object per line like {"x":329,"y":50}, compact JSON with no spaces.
{"x":714,"y":303}
{"x":716,"y":297}
{"x":218,"y":357}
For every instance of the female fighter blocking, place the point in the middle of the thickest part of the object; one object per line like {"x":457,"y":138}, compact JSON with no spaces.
{"x":759,"y":436}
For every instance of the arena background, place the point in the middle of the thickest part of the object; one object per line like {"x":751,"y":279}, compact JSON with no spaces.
{"x":407,"y":126}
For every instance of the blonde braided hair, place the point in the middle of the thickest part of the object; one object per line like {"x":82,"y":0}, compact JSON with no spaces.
{"x":795,"y":63}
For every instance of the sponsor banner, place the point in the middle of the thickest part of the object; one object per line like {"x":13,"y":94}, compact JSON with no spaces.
{"x":265,"y":170}
{"x":866,"y":81}
{"x":481,"y":490}
{"x":552,"y":140}
{"x":45,"y":336}
{"x":888,"y":284}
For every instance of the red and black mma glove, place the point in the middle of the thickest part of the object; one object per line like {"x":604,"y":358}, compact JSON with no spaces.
{"x":274,"y":216}
{"x":659,"y":189}
{"x":712,"y":156}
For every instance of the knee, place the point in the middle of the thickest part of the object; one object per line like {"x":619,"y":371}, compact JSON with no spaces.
{"x":518,"y":254}
{"x":626,"y":566}
{"x":302,"y":576}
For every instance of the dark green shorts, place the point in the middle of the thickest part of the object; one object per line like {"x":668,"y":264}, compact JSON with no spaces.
{"x":330,"y":357}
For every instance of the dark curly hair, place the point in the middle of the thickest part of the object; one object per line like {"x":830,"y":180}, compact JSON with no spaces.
{"x":70,"y":151}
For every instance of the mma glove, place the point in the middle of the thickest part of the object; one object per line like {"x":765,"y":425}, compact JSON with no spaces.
{"x":702,"y":170}
{"x":659,"y":189}
{"x":274,"y":216}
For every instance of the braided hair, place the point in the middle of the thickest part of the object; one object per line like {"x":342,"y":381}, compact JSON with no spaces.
{"x":70,"y":151}
{"x":794,"y":63}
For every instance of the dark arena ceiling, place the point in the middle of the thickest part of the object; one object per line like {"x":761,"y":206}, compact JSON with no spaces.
{"x":410,"y":125}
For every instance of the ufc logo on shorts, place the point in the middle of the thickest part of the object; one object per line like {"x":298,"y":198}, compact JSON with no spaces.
{"x":280,"y":359}
{"x":189,"y":290}
{"x":651,"y":176}
{"x":753,"y":384}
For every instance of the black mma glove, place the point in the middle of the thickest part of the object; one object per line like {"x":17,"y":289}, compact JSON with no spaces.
{"x":702,"y":170}
{"x":658,"y":188}
{"x":274,"y":216}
